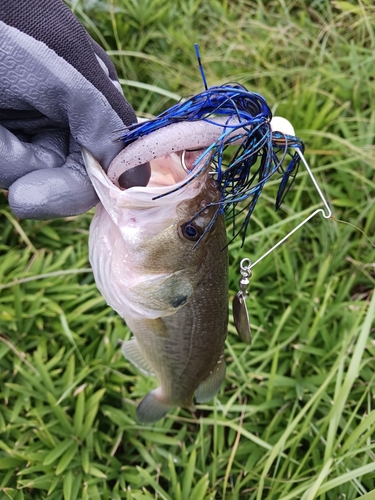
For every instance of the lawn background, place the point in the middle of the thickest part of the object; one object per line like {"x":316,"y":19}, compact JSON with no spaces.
{"x":296,"y":417}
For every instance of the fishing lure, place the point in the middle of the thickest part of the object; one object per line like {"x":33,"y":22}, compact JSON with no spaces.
{"x":230,"y":117}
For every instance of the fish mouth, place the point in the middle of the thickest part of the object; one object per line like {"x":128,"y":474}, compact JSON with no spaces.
{"x":163,"y":182}
{"x":174,"y":168}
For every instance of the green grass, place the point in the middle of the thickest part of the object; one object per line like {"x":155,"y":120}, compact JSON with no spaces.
{"x":296,"y":416}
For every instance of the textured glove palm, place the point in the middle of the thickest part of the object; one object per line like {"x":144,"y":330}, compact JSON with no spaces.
{"x":58,"y":91}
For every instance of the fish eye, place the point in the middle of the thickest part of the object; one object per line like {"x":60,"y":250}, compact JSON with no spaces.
{"x":190,"y":231}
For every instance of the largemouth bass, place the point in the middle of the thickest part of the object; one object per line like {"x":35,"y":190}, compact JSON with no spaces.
{"x":173,"y":297}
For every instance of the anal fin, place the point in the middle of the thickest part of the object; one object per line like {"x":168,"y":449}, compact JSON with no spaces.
{"x":210,"y":387}
{"x":151,"y":408}
{"x":133,"y":353}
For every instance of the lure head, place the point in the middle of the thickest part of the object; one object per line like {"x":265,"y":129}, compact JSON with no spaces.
{"x":280,"y":124}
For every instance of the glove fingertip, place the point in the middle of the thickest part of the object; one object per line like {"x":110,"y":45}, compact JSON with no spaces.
{"x":50,"y":195}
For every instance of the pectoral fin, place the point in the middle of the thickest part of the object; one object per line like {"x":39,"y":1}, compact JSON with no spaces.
{"x":151,"y":408}
{"x":133,"y":353}
{"x":210,"y":387}
{"x":168,"y":292}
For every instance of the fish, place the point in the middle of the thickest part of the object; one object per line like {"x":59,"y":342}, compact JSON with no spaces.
{"x":171,"y":291}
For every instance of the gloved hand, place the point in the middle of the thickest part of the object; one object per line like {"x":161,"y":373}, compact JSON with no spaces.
{"x":58,"y":91}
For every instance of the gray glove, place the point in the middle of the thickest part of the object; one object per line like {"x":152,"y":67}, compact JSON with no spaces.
{"x":58,"y":91}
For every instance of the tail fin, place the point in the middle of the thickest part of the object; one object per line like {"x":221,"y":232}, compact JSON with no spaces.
{"x":151,"y":408}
